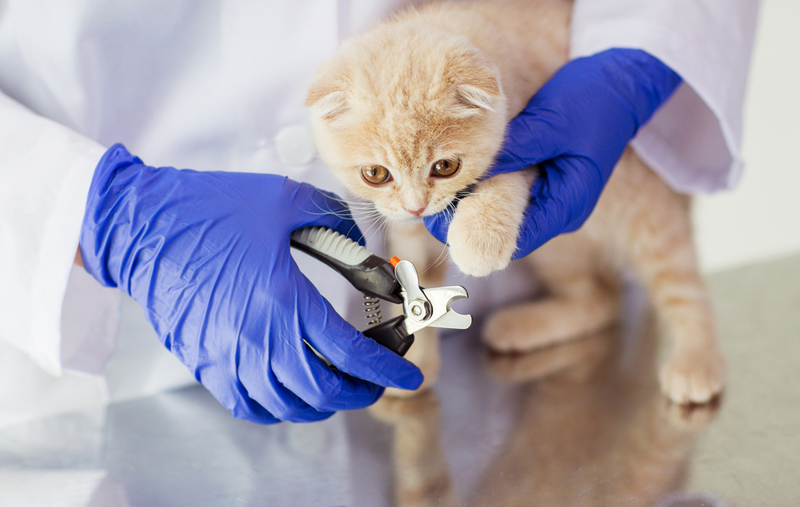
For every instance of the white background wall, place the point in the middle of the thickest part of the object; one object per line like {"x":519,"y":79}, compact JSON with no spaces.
{"x":760,"y":220}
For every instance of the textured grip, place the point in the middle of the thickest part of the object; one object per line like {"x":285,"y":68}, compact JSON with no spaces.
{"x":392,"y":335}
{"x":329,"y":242}
{"x":368,"y":273}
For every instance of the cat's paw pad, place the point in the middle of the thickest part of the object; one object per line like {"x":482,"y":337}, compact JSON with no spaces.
{"x":479,"y":242}
{"x":692,"y":376}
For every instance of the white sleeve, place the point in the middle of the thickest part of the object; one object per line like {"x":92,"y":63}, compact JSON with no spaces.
{"x":694,"y":140}
{"x":45,"y":176}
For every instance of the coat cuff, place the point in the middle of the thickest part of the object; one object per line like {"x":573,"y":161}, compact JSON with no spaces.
{"x":47,"y":169}
{"x":694,"y":140}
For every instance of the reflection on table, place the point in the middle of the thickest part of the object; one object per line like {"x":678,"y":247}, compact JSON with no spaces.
{"x":582,"y":423}
{"x":590,"y":428}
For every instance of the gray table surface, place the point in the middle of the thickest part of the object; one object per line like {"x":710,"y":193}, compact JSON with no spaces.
{"x":579,"y":424}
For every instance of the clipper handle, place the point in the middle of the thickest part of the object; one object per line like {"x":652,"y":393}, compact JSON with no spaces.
{"x":392,"y":334}
{"x":366,"y":272}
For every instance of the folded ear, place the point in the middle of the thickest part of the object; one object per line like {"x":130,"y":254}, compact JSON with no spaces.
{"x":471,"y":99}
{"x":479,"y":92}
{"x":326,"y":100}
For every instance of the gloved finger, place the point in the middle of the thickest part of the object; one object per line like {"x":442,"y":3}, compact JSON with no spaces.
{"x":347,"y":349}
{"x":325,"y":208}
{"x":562,"y":198}
{"x":233,"y":395}
{"x":543,"y":221}
{"x":532,"y":137}
{"x":255,"y":414}
{"x":243,"y":407}
{"x":263,"y":387}
{"x":439,"y":224}
{"x":323,"y":388}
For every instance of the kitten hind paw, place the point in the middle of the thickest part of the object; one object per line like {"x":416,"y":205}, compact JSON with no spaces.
{"x":692,"y":376}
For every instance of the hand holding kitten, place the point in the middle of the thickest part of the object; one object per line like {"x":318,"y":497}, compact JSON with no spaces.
{"x":575,"y":128}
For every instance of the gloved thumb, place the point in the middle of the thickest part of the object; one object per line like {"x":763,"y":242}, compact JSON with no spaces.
{"x":562,"y":198}
{"x":438,"y":224}
{"x":347,"y":349}
{"x":531,"y":138}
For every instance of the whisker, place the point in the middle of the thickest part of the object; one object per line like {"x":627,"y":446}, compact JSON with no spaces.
{"x":439,"y":259}
{"x":374,"y":224}
{"x":494,"y":196}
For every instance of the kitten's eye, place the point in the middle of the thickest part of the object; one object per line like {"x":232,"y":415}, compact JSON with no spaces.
{"x":445,"y":168}
{"x":376,"y":174}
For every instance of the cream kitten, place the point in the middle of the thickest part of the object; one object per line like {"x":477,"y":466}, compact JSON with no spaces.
{"x":414,"y":110}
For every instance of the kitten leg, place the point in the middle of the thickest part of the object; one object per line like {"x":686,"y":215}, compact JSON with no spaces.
{"x":654,"y":231}
{"x":578,"y":302}
{"x":694,"y":371}
{"x":411,"y":241}
{"x":484,"y":230}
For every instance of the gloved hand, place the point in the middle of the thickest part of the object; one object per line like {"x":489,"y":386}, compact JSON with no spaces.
{"x":206,"y":255}
{"x":576,"y":128}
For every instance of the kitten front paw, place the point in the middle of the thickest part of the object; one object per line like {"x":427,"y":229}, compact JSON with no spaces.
{"x":481,"y":241}
{"x":692,"y":376}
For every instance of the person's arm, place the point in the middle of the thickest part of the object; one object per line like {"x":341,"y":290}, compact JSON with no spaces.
{"x":239,"y":318}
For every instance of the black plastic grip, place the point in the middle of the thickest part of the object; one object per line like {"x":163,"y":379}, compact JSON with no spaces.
{"x":392,"y":335}
{"x":373,"y":276}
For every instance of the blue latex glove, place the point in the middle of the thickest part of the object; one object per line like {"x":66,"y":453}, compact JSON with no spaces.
{"x":576,"y":128}
{"x":207,"y":257}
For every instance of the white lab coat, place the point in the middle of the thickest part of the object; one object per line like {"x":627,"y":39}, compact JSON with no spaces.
{"x":220,"y":86}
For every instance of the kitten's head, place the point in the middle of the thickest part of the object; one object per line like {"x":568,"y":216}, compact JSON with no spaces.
{"x":408,"y":115}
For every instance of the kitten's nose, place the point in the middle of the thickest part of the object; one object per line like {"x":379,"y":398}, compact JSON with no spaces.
{"x":417,"y":212}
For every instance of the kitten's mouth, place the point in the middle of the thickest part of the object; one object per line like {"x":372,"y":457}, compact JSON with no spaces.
{"x":402,"y":217}
{"x":413,"y":219}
